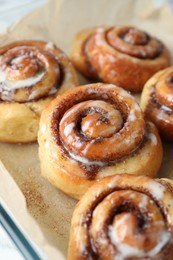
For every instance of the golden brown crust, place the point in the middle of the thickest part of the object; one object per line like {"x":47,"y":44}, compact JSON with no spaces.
{"x":157,"y":102}
{"x":94,"y":131}
{"x":122,"y":55}
{"x":123,"y":217}
{"x":32,"y":74}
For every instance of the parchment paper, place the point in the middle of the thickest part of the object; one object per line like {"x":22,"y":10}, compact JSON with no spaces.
{"x":43,"y":211}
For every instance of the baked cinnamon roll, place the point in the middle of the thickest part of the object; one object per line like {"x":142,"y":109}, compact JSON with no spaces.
{"x":93,"y":131}
{"x":124,"y":217}
{"x":32,"y":73}
{"x":121,"y":55}
{"x":157,"y":102}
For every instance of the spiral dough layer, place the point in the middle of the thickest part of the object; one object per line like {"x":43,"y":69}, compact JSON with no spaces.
{"x":93,"y":131}
{"x":157,"y":102}
{"x":122,"y":55}
{"x":31,"y":74}
{"x":124,"y":217}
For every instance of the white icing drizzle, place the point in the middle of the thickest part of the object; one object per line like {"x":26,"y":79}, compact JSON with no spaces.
{"x":166,"y":108}
{"x":145,"y":200}
{"x":19,"y":59}
{"x":137,"y":107}
{"x":12,"y":85}
{"x":129,"y":140}
{"x":50,"y":45}
{"x":126,"y":94}
{"x":153,"y":138}
{"x":99,"y":38}
{"x":86,"y":125}
{"x":132,"y":116}
{"x":85,"y":161}
{"x":161,"y":114}
{"x":68,"y":129}
{"x":163,"y":240}
{"x":170,"y":98}
{"x":128,"y":251}
{"x":9,"y":96}
{"x":78,"y":239}
{"x":78,"y":143}
{"x":71,"y":111}
{"x":105,"y":96}
{"x":52,"y":91}
{"x":111,"y":86}
{"x":87,"y":147}
{"x":157,"y":189}
{"x":111,"y":185}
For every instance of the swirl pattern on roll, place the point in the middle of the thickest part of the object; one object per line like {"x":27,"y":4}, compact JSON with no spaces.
{"x":94,"y":129}
{"x":122,"y":55}
{"x":32,"y":73}
{"x":124,"y":217}
{"x":157,"y":102}
{"x":31,"y":70}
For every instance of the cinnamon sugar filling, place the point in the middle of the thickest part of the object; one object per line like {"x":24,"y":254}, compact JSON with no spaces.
{"x":28,"y":74}
{"x":77,"y":126}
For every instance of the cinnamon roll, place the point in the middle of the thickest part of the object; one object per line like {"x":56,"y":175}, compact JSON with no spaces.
{"x":157,"y":102}
{"x":32,"y":73}
{"x":124,"y":217}
{"x":122,"y":55}
{"x":93,"y":131}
